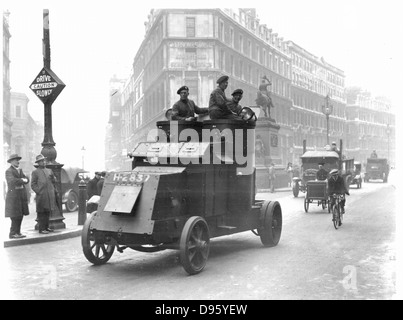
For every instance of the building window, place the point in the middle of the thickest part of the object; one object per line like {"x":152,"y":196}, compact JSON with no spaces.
{"x":249,"y":49}
{"x":270,"y":61}
{"x":222,"y":31}
{"x":242,"y":75}
{"x":18,"y":111}
{"x":190,"y":27}
{"x":222,"y":60}
{"x":241,"y":43}
{"x":232,"y":39}
{"x":232,"y":65}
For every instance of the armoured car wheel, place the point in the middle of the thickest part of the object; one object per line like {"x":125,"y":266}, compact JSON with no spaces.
{"x":96,"y":253}
{"x":306,"y":204}
{"x":194,"y":245}
{"x":295,"y":189}
{"x":270,"y":223}
{"x":72,"y":202}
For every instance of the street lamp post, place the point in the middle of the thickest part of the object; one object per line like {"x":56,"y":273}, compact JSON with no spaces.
{"x":82,"y":156}
{"x":327,"y":110}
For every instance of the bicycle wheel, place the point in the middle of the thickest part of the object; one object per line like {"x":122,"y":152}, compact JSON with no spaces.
{"x":336,"y":216}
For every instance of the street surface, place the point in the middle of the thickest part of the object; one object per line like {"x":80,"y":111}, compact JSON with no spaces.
{"x":311,"y":261}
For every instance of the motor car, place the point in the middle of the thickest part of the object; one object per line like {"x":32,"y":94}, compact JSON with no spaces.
{"x":377,"y":168}
{"x":70,"y":179}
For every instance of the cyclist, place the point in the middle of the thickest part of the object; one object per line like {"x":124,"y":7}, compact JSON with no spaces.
{"x":336,"y":184}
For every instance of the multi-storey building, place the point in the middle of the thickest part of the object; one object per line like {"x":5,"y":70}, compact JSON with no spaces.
{"x":312,"y":80}
{"x":26,"y":134}
{"x":370,"y":126}
{"x":194,"y":47}
{"x":113,"y":138}
{"x":7,"y":123}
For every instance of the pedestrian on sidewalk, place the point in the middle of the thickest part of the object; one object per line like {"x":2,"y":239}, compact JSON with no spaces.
{"x":16,"y":197}
{"x":43,"y":182}
{"x":100,"y":183}
{"x":272,"y":177}
{"x":92,"y":185}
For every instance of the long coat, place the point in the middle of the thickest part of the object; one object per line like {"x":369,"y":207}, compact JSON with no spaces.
{"x":16,"y":198}
{"x":42,"y":182}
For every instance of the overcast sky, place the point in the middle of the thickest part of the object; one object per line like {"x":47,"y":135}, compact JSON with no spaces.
{"x":92,"y":40}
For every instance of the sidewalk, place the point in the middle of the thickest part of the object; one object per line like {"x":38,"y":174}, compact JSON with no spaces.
{"x":72,"y":228}
{"x":33,"y":236}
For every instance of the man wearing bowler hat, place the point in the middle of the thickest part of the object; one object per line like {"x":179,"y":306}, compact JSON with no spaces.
{"x":16,"y":198}
{"x":43,"y":182}
{"x":185,"y":109}
{"x":218,"y":108}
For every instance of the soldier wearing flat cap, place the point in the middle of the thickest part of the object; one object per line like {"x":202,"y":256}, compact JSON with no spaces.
{"x":16,"y":198}
{"x":218,"y":108}
{"x":185,"y":109}
{"x":234,"y":105}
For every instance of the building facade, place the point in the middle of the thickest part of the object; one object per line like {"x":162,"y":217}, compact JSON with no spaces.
{"x":370,"y":125}
{"x":312,"y":80}
{"x":7,"y":123}
{"x":26,"y":134}
{"x":194,"y":47}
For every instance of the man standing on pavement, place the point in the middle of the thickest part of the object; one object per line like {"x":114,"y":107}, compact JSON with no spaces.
{"x":92,"y":185}
{"x":272,"y":177}
{"x":16,"y":198}
{"x":100,"y":183}
{"x":43,"y":183}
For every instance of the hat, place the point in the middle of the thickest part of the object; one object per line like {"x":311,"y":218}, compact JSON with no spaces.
{"x":237,"y":91}
{"x":222,"y":79}
{"x":334,"y":172}
{"x":14,"y":156}
{"x":334,"y":142}
{"x":103,"y":173}
{"x":98,"y":173}
{"x":39,"y":158}
{"x":182,"y":88}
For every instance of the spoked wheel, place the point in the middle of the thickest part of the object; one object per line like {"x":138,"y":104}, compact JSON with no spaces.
{"x":336,"y":217}
{"x":194,"y":245}
{"x":96,"y":253}
{"x":271,"y":221}
{"x":72,"y":202}
{"x":306,"y":204}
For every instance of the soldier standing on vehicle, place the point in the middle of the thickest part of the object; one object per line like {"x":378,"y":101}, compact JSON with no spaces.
{"x":321,"y":174}
{"x":336,"y":185}
{"x":218,"y":108}
{"x":184,"y":108}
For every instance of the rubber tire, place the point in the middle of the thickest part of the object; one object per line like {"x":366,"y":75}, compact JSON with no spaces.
{"x":271,"y":221}
{"x":194,"y":245}
{"x":306,"y":204}
{"x":72,"y":202}
{"x":295,"y":189}
{"x":88,"y":247}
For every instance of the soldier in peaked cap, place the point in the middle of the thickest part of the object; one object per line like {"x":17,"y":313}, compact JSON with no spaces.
{"x":184,"y":108}
{"x":16,"y":198}
{"x":218,"y":108}
{"x":234,"y":105}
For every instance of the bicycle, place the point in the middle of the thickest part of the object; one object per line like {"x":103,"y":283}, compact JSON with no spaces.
{"x":337,"y":215}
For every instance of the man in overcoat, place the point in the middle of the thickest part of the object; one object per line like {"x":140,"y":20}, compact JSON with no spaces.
{"x":184,"y":108}
{"x":43,"y":183}
{"x":92,"y":185}
{"x":16,"y":197}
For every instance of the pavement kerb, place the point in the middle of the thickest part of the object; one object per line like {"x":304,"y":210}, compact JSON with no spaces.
{"x":34,"y":237}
